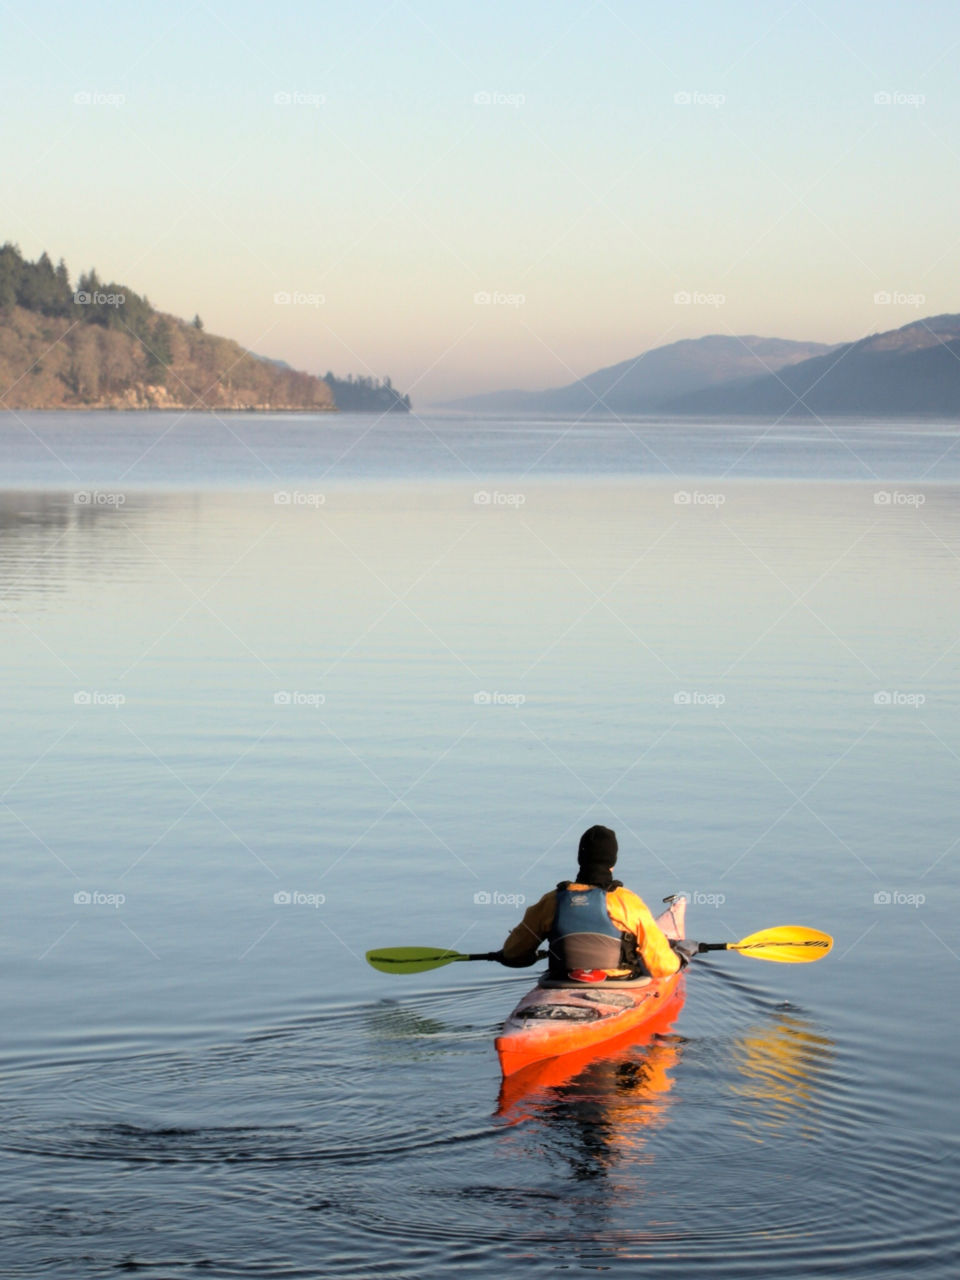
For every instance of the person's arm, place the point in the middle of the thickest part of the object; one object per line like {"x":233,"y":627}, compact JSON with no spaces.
{"x":658,"y":956}
{"x":654,"y":946}
{"x":520,"y":948}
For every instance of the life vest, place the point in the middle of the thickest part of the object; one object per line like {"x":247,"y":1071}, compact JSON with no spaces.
{"x":583,"y":937}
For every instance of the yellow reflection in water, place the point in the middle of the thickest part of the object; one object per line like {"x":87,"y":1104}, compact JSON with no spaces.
{"x":779,"y":1065}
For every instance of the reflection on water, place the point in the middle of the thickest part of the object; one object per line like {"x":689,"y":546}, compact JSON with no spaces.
{"x":781,"y":1065}
{"x":602,"y":1118}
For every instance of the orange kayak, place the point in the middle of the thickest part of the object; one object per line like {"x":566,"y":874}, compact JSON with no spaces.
{"x":558,"y":1018}
{"x":553,"y":1073}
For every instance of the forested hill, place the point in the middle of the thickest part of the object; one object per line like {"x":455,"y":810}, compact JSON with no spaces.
{"x":366,"y":395}
{"x":99,"y":344}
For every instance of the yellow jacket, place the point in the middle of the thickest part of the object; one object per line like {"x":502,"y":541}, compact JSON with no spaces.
{"x":628,"y":912}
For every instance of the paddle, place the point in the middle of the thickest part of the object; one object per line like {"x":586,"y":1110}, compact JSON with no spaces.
{"x":788,"y":943}
{"x":419,"y":959}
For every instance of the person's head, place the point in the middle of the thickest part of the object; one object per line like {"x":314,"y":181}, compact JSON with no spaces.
{"x":597,"y":855}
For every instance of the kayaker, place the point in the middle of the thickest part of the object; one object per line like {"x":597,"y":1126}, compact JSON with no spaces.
{"x":595,"y":928}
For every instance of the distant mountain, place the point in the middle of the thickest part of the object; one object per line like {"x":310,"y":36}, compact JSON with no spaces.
{"x":915,"y":369}
{"x":645,"y":383}
{"x":103,"y":346}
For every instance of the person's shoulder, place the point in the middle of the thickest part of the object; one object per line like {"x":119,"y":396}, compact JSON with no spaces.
{"x":628,"y":895}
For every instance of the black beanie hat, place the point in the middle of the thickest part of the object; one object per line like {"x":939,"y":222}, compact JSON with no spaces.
{"x":596,"y":855}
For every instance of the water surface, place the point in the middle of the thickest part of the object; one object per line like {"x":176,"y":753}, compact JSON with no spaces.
{"x":281,"y":690}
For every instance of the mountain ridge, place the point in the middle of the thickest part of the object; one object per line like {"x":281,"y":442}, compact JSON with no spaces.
{"x":644,"y":382}
{"x":914,"y":368}
{"x":911,"y":369}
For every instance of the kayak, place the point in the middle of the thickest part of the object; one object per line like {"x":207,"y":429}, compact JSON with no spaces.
{"x":517,"y":1089}
{"x":557,"y":1018}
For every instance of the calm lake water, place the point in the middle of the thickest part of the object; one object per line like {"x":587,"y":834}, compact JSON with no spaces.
{"x":281,"y":689}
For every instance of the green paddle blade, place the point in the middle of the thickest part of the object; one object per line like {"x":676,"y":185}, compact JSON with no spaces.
{"x":789,"y":943}
{"x":411,"y":959}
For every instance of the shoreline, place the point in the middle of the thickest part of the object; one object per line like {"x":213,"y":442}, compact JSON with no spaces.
{"x":169,"y":408}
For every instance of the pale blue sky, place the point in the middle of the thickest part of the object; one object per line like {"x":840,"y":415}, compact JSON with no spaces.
{"x":582,"y":186}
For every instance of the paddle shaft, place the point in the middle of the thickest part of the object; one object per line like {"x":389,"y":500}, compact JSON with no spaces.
{"x":496,"y":955}
{"x":701,"y":947}
{"x":815,"y":944}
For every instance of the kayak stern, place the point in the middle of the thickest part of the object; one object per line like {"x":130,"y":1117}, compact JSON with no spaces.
{"x":555,"y":1019}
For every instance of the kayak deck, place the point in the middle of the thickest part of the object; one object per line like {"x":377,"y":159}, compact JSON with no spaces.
{"x":556,"y":1019}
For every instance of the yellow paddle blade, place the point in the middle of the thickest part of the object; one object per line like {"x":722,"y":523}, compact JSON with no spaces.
{"x":790,"y":943}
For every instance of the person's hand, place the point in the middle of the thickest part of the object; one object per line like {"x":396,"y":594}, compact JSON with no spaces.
{"x":685,"y":948}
